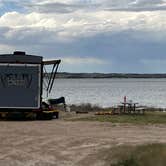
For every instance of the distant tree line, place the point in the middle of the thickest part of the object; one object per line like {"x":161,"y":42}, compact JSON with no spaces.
{"x":107,"y":75}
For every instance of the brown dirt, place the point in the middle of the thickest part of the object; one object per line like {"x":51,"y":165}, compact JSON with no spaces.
{"x":65,"y":143}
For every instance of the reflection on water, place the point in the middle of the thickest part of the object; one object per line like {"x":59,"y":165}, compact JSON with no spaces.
{"x":109,"y":92}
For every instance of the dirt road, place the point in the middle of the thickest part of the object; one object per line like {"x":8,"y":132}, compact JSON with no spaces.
{"x":62,"y":143}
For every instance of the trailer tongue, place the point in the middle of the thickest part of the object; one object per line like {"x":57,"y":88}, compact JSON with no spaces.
{"x":22,"y":79}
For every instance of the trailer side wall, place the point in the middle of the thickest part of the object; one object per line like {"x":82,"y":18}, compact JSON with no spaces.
{"x":20,"y":86}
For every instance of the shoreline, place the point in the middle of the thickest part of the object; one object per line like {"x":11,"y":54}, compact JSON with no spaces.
{"x":107,"y":75}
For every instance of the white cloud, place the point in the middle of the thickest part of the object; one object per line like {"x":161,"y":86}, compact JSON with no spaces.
{"x":5,"y":47}
{"x":66,"y":6}
{"x":83,"y":61}
{"x":80,"y":24}
{"x":91,"y":27}
{"x":81,"y":64}
{"x":147,"y":3}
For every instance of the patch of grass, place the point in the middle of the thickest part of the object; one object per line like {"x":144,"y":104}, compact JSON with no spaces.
{"x":147,"y":118}
{"x":142,"y":155}
{"x":85,"y":107}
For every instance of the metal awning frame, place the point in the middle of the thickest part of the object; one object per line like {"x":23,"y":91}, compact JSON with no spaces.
{"x":50,"y":77}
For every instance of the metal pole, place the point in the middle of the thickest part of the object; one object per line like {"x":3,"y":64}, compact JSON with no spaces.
{"x":53,"y":78}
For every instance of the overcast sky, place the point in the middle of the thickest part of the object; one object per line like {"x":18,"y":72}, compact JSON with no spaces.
{"x":127,"y":36}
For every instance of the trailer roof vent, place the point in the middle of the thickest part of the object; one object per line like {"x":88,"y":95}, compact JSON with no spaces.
{"x":19,"y":53}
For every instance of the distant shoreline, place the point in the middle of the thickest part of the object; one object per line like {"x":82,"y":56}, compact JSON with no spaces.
{"x":109,"y":75}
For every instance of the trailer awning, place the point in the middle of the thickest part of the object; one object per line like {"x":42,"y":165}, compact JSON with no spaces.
{"x":49,"y":76}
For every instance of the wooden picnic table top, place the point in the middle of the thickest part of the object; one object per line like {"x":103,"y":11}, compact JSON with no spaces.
{"x":129,"y":103}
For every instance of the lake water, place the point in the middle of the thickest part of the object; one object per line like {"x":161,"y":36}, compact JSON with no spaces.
{"x":110,"y":92}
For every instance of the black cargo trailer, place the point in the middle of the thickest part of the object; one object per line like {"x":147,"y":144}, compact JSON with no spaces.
{"x":21,"y":81}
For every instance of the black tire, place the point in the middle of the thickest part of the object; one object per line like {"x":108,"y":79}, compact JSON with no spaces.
{"x":44,"y":116}
{"x":56,"y":114}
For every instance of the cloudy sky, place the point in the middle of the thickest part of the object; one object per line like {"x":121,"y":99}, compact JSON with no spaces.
{"x":127,"y":36}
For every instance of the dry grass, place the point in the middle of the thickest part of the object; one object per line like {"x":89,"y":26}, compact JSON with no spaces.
{"x":151,"y":115}
{"x":154,"y":117}
{"x":85,"y":107}
{"x":142,"y":155}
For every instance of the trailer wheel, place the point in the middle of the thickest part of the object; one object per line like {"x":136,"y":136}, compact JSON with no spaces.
{"x":56,"y":114}
{"x":30,"y":116}
{"x":44,"y":116}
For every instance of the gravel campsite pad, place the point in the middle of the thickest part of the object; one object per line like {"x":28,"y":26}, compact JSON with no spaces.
{"x":66,"y":143}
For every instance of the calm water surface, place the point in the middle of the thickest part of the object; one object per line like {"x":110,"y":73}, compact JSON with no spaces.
{"x":109,"y":92}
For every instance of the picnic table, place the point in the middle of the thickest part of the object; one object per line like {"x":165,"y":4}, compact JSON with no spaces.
{"x":129,"y":107}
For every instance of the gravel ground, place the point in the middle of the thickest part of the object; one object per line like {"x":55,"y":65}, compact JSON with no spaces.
{"x":66,"y":143}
